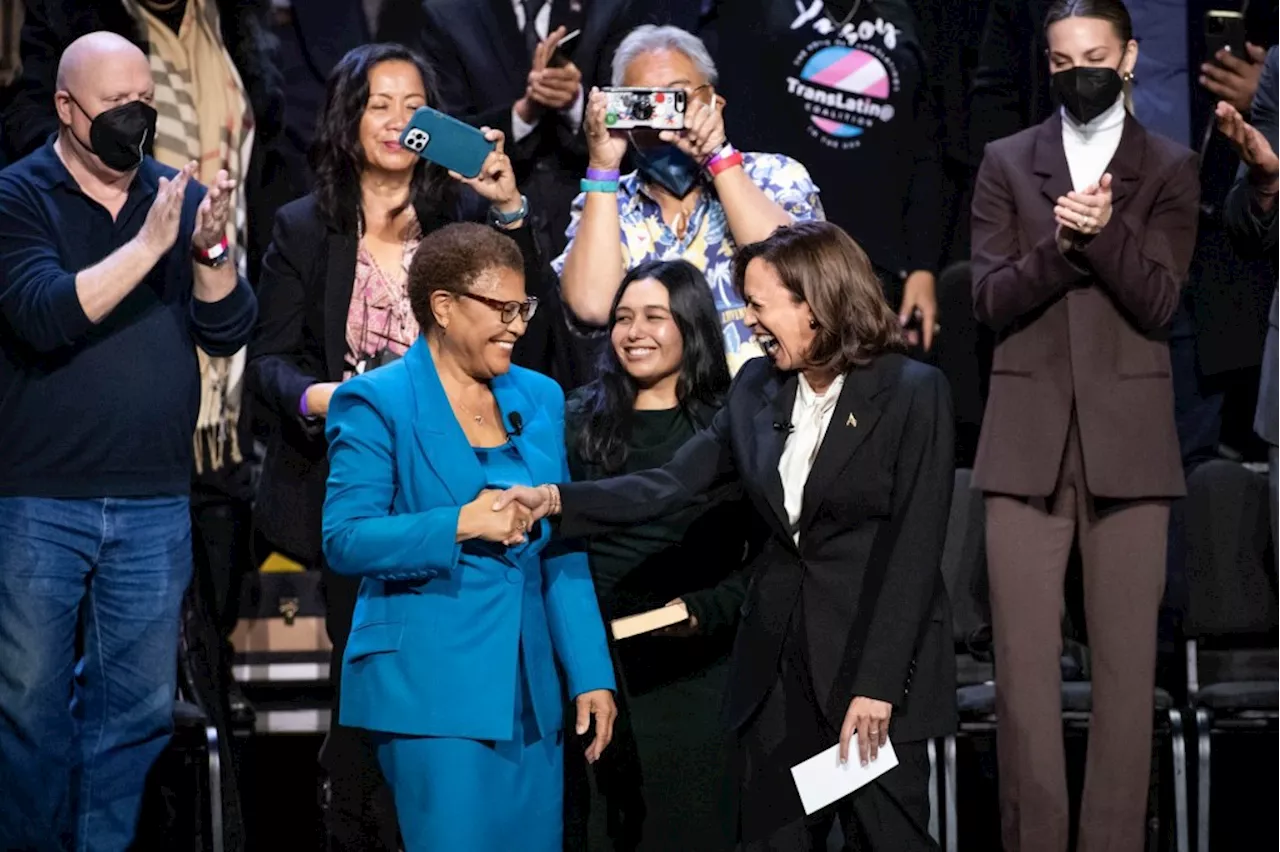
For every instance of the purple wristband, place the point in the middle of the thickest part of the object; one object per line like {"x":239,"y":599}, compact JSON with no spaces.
{"x":604,"y":174}
{"x":302,"y":405}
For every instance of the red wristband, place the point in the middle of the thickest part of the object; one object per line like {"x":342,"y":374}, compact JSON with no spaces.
{"x":215,"y":255}
{"x":726,"y":158}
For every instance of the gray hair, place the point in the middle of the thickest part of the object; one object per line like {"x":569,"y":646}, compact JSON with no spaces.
{"x":650,"y":38}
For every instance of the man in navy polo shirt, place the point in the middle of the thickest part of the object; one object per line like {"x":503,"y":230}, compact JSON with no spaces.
{"x":113,"y":269}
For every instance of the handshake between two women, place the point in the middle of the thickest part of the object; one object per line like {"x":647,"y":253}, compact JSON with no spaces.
{"x":507,"y":517}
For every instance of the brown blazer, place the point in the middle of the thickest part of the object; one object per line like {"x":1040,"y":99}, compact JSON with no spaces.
{"x":1086,"y":329}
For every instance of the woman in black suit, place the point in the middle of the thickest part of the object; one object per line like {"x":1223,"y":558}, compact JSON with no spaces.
{"x":333,"y":303}
{"x":843,"y":445}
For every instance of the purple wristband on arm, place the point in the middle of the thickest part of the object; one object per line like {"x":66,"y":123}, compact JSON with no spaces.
{"x":302,"y":405}
{"x":604,"y":174}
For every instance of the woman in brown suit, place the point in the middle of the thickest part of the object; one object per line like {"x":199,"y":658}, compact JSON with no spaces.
{"x":1083,"y":228}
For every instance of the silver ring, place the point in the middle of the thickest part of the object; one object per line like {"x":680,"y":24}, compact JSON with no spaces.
{"x":520,"y":524}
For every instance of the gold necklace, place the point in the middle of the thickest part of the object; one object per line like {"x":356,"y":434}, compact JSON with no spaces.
{"x":479,"y":418}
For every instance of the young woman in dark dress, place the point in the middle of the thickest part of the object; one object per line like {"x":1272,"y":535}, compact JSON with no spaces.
{"x":661,"y":379}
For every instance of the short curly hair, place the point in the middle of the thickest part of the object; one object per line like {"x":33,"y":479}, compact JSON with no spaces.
{"x":451,"y":259}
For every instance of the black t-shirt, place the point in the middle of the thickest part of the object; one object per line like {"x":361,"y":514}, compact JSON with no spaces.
{"x":842,"y":88}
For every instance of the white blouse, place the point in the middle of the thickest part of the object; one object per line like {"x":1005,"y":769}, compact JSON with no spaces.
{"x":1090,"y":147}
{"x":810,"y":417}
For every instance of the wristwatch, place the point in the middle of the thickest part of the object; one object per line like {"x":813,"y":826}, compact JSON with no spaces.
{"x":505,"y":220}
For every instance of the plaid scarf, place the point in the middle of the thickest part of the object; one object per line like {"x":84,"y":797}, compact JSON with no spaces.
{"x":205,"y":116}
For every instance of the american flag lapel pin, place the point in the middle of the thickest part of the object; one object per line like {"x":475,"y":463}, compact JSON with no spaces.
{"x":852,"y":421}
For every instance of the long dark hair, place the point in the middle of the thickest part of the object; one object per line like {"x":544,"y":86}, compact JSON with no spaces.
{"x":608,"y":403}
{"x":1113,"y":12}
{"x":337,"y":158}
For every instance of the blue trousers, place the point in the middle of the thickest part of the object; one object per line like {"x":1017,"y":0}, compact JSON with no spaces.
{"x":81,"y":728}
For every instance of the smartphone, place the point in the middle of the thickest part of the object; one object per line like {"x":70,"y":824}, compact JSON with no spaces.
{"x":630,"y":107}
{"x":446,"y":141}
{"x":1224,"y":28}
{"x":560,"y":56}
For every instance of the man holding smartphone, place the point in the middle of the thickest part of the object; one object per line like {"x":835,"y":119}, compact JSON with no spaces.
{"x":522,"y":67}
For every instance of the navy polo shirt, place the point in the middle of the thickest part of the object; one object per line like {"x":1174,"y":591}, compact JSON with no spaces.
{"x":106,"y":409}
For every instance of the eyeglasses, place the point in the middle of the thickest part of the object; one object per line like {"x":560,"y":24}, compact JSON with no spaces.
{"x":508,"y":311}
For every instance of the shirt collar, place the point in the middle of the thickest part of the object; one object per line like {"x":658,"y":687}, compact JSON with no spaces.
{"x":48,"y":171}
{"x":807,"y":398}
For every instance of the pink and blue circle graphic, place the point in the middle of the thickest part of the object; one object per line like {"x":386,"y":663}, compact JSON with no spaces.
{"x":849,"y":70}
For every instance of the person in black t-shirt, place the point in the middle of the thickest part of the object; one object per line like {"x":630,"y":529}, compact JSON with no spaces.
{"x":661,"y":380}
{"x":843,"y":86}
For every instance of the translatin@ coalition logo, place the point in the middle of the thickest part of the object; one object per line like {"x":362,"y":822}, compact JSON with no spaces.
{"x":846,"y":84}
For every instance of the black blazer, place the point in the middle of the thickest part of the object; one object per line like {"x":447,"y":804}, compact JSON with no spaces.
{"x":303,"y":297}
{"x":866,"y":574}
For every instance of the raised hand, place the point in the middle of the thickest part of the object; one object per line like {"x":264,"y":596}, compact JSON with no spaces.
{"x":703,"y":132}
{"x":496,"y":182}
{"x":605,"y":147}
{"x":160,"y":230}
{"x":214,"y":213}
{"x":1252,"y":147}
{"x":1234,"y":78}
{"x":1086,"y":212}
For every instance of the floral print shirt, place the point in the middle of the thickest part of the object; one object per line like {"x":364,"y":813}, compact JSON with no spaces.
{"x":707,"y":242}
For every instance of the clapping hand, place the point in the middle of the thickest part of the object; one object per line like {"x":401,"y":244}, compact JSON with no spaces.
{"x":160,"y":230}
{"x":214,"y":213}
{"x":1086,"y":212}
{"x":552,"y":87}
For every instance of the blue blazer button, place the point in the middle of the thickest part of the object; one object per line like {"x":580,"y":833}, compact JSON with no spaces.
{"x":514,"y":576}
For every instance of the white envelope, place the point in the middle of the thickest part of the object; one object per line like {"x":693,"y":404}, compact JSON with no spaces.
{"x":823,"y":779}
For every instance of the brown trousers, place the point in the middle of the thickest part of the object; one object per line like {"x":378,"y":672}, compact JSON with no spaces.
{"x":1122,"y":547}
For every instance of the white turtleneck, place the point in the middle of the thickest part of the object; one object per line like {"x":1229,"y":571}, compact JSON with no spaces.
{"x":1091,"y":146}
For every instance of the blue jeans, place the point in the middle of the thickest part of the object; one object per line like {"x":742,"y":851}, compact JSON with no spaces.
{"x":81,"y":727}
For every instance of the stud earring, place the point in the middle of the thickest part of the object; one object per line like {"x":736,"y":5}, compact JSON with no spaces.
{"x":813,"y":323}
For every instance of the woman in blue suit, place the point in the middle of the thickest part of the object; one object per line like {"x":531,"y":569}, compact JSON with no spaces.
{"x":462,"y":610}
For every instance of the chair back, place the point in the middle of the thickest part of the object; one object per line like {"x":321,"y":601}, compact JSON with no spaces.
{"x":1231,"y":563}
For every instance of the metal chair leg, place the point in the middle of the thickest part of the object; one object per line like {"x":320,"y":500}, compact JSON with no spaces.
{"x":933,"y":789}
{"x":215,"y":786}
{"x":949,"y":793}
{"x":1178,"y":742}
{"x":1203,"y":736}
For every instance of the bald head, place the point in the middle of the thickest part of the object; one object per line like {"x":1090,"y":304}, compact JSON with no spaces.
{"x":89,"y":56}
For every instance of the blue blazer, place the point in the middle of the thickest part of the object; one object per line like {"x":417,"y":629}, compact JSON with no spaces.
{"x":434,"y":645}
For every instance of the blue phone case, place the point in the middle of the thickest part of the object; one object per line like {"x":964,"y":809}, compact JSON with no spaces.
{"x":446,"y":141}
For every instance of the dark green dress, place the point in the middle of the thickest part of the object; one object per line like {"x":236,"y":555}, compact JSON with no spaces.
{"x":660,"y":784}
